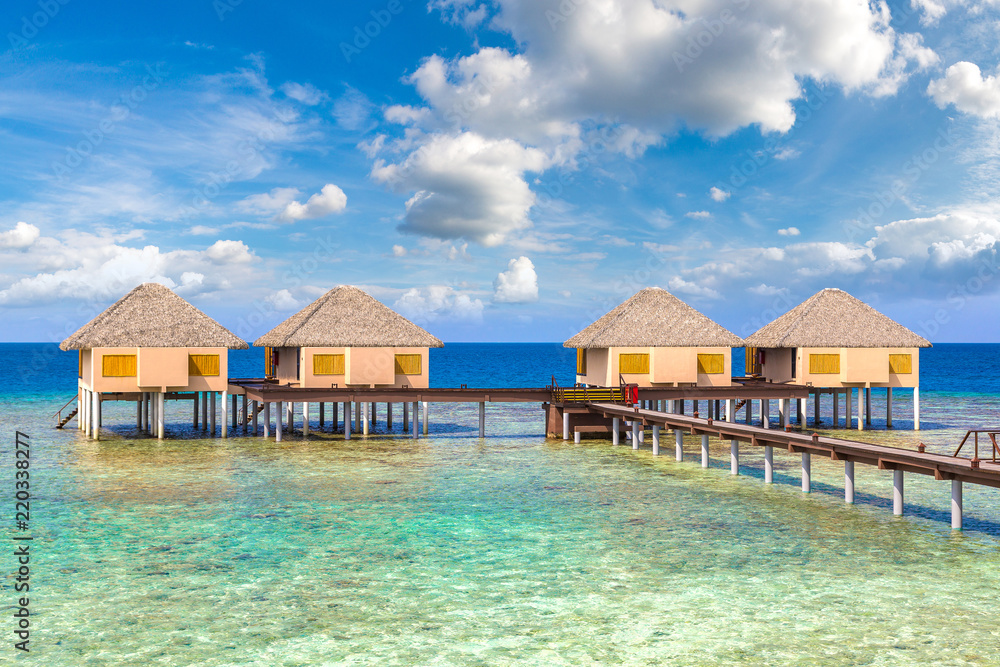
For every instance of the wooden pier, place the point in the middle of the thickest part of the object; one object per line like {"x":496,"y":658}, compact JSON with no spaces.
{"x":941,"y":466}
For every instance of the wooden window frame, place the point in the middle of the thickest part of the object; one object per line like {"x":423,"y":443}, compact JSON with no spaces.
{"x":717,"y":361}
{"x":902,"y":361}
{"x":403,"y":369}
{"x":196,"y":370}
{"x":128,"y":359}
{"x":337,"y":364}
{"x":821,"y":363}
{"x":636,"y":362}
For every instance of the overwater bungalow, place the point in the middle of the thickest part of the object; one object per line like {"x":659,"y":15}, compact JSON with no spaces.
{"x":834,"y":341}
{"x":149,"y":344}
{"x":654,"y":340}
{"x":346,"y":338}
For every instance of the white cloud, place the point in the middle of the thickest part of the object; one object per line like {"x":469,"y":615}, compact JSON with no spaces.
{"x":436,"y":302}
{"x":678,"y":285}
{"x":787,"y":154}
{"x":89,"y":267}
{"x":306,"y":93}
{"x":329,"y":200}
{"x":466,"y":186}
{"x":719,"y":195}
{"x":202,"y":230}
{"x":698,"y":215}
{"x":268,"y":203}
{"x":660,"y":248}
{"x":965,"y":87}
{"x":767,"y":290}
{"x":23,"y":235}
{"x":789,"y":231}
{"x":398,"y":251}
{"x":930,"y":10}
{"x":436,"y":248}
{"x":518,"y":284}
{"x":283,"y":301}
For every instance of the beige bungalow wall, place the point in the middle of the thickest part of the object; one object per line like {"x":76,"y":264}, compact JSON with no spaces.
{"x":858,"y":366}
{"x":668,"y":367}
{"x":364,"y":367}
{"x":157,"y":369}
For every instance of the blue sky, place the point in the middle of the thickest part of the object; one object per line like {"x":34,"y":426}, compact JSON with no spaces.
{"x":505,"y":170}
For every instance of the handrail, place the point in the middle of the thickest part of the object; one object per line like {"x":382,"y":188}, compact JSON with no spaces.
{"x":58,"y":413}
{"x":993,"y":433}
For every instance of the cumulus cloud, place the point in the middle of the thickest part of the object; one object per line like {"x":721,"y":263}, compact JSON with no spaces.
{"x":789,"y":231}
{"x":436,"y":302}
{"x":330,"y":199}
{"x":84,"y":266}
{"x":518,"y":284}
{"x":698,"y":215}
{"x":964,"y":86}
{"x":436,"y":248}
{"x":467,"y":186}
{"x":283,"y":301}
{"x":23,"y":235}
{"x":718,"y":194}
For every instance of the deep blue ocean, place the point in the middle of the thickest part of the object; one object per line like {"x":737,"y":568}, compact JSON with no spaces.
{"x":43,"y":370}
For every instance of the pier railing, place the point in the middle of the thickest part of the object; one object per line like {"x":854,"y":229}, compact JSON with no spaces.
{"x":992,"y":433}
{"x":587,"y":395}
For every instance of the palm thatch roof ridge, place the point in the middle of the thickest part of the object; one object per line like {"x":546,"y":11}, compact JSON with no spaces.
{"x":151,"y":315}
{"x":347,"y":317}
{"x":654,"y":317}
{"x":834,"y":318}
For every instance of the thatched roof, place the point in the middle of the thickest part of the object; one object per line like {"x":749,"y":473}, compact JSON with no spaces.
{"x":347,"y":317}
{"x":151,"y":315}
{"x":834,"y":318}
{"x":654,"y":318}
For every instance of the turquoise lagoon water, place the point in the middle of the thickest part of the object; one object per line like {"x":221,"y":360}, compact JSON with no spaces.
{"x":509,"y":550}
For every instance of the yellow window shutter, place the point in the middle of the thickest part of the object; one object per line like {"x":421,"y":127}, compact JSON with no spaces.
{"x":711,"y":364}
{"x":328,"y":364}
{"x":118,"y":365}
{"x":824,"y":364}
{"x":203,"y":365}
{"x":633,"y":363}
{"x":408,"y":364}
{"x":901,"y":363}
{"x":581,"y":361}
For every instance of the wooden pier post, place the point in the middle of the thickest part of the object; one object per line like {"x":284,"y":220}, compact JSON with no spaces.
{"x":388,"y":416}
{"x":253,"y":408}
{"x":656,"y":439}
{"x":748,"y":416}
{"x":246,"y":412}
{"x":576,"y":436}
{"x":365,"y":416}
{"x":334,"y":417}
{"x":916,"y":408}
{"x":849,"y":482}
{"x":816,"y":408}
{"x":888,"y":407}
{"x":416,"y":419}
{"x":734,"y":457}
{"x":836,"y":408}
{"x":267,"y":419}
{"x":768,"y":464}
{"x":277,"y":423}
{"x":236,"y":410}
{"x":897,"y":492}
{"x":765,"y":412}
{"x":322,"y":415}
{"x":799,"y":418}
{"x":406,"y":416}
{"x":347,"y":420}
{"x":426,"y":418}
{"x":224,"y":422}
{"x":635,"y":433}
{"x":204,"y":409}
{"x":373,"y":414}
{"x":615,"y":430}
{"x":197,"y":395}
{"x":861,"y":409}
{"x":290,"y":421}
{"x":868,"y":406}
{"x":730,"y":409}
{"x":678,"y":444}
{"x":565,"y":424}
{"x":211,"y":412}
{"x":956,"y":504}
{"x":160,"y":415}
{"x":96,"y":416}
{"x":806,"y":472}
{"x":704,"y":451}
{"x":357,"y":416}
{"x":482,"y":419}
{"x":782,"y":414}
{"x":305,"y":419}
